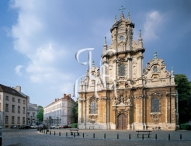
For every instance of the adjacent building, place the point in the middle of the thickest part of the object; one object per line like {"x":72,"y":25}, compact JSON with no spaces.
{"x":13,"y":105}
{"x":59,"y":112}
{"x":32,"y":111}
{"x":121,"y":94}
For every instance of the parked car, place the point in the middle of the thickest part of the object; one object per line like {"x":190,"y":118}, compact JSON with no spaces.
{"x":14,"y":127}
{"x":57,"y":126}
{"x":52,"y":126}
{"x":24,"y":127}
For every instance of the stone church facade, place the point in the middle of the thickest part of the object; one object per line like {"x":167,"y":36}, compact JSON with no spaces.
{"x":121,"y":94}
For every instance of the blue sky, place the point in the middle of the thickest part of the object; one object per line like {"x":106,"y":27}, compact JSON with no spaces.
{"x":39,"y":39}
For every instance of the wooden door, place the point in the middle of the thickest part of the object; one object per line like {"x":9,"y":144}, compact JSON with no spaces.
{"x":121,"y":122}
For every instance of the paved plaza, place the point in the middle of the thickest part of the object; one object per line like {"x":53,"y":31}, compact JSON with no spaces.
{"x":32,"y":137}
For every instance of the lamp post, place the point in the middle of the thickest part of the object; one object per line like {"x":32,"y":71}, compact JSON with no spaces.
{"x":31,"y":120}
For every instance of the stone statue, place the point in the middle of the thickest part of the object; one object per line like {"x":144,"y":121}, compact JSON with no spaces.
{"x":128,"y":101}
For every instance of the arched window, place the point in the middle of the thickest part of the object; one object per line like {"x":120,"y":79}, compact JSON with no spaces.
{"x":155,"y":69}
{"x":121,"y":69}
{"x":93,"y":107}
{"x":155,"y":105}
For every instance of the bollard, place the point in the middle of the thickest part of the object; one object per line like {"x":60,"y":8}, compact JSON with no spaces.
{"x":180,"y":136}
{"x":50,"y":132}
{"x":66,"y":134}
{"x":104,"y":136}
{"x":117,"y":136}
{"x":168,"y":136}
{"x":59,"y":133}
{"x":142,"y":136}
{"x":129,"y":136}
{"x":74,"y":134}
{"x":46,"y":131}
{"x":93,"y":135}
{"x":54,"y":133}
{"x":155,"y":136}
{"x":83,"y":135}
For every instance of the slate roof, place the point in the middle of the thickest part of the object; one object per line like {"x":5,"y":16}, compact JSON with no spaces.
{"x":10,"y":90}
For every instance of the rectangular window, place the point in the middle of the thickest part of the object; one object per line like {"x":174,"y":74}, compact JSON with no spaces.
{"x":23,"y":110}
{"x":18,"y":120}
{"x":19,"y":100}
{"x":33,"y":114}
{"x":6,"y":119}
{"x":13,"y":120}
{"x":13,"y":99}
{"x":23,"y":101}
{"x":18,"y":109}
{"x":28,"y":114}
{"x":23,"y":120}
{"x":13,"y":108}
{"x":7,"y":108}
{"x":7,"y":98}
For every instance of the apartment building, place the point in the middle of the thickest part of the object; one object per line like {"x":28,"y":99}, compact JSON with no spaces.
{"x":13,"y":105}
{"x":59,"y":112}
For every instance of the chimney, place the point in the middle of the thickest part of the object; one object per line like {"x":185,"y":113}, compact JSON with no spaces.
{"x":69,"y":95}
{"x":64,"y":95}
{"x":18,"y":88}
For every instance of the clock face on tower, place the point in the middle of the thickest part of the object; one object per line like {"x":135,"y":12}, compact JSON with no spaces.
{"x":121,"y":38}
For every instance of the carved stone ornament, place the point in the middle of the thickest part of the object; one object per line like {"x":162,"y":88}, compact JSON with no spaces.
{"x":155,"y":117}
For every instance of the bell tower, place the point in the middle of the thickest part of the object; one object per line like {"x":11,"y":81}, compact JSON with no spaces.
{"x":124,"y":56}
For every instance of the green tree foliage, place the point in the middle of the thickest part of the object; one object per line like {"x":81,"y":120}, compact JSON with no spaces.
{"x":75,"y":112}
{"x":184,"y":95}
{"x":40,"y":113}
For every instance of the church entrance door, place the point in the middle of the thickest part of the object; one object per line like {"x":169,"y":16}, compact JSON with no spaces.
{"x":121,"y":122}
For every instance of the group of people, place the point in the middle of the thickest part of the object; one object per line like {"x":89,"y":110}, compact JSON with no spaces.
{"x":157,"y":128}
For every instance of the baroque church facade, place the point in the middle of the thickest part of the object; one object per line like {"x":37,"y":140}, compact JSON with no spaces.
{"x":121,"y":94}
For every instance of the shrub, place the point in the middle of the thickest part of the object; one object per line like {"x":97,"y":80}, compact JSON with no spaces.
{"x":74,"y":125}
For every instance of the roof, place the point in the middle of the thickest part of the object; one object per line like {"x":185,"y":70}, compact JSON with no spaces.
{"x":65,"y":97}
{"x":10,"y":90}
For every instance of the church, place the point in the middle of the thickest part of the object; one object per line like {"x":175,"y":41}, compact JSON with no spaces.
{"x":121,"y":94}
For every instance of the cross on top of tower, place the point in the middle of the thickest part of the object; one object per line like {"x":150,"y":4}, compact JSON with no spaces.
{"x":122,"y":8}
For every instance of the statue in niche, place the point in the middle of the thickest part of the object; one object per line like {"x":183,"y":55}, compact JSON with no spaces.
{"x":128,"y":101}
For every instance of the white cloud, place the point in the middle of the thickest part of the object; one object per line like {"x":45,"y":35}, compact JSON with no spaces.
{"x":18,"y":69}
{"x":32,"y":39}
{"x":151,"y":25}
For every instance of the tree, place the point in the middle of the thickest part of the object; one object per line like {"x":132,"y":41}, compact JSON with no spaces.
{"x":40,"y":113}
{"x":184,"y":94}
{"x":75,"y":112}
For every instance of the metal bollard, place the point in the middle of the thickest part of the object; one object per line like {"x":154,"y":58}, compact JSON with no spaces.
{"x":50,"y":132}
{"x":54,"y":133}
{"x":46,"y":131}
{"x":180,"y":136}
{"x":168,"y":136}
{"x":155,"y":136}
{"x":93,"y":135}
{"x":117,"y":136}
{"x":83,"y":135}
{"x":142,"y":136}
{"x":74,"y":134}
{"x":59,"y":133}
{"x":129,"y":136}
{"x":66,"y":134}
{"x":104,"y":136}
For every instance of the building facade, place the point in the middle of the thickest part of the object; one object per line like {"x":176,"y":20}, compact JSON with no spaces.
{"x":59,"y":112}
{"x":121,"y":94}
{"x":13,"y":106}
{"x":32,"y":111}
